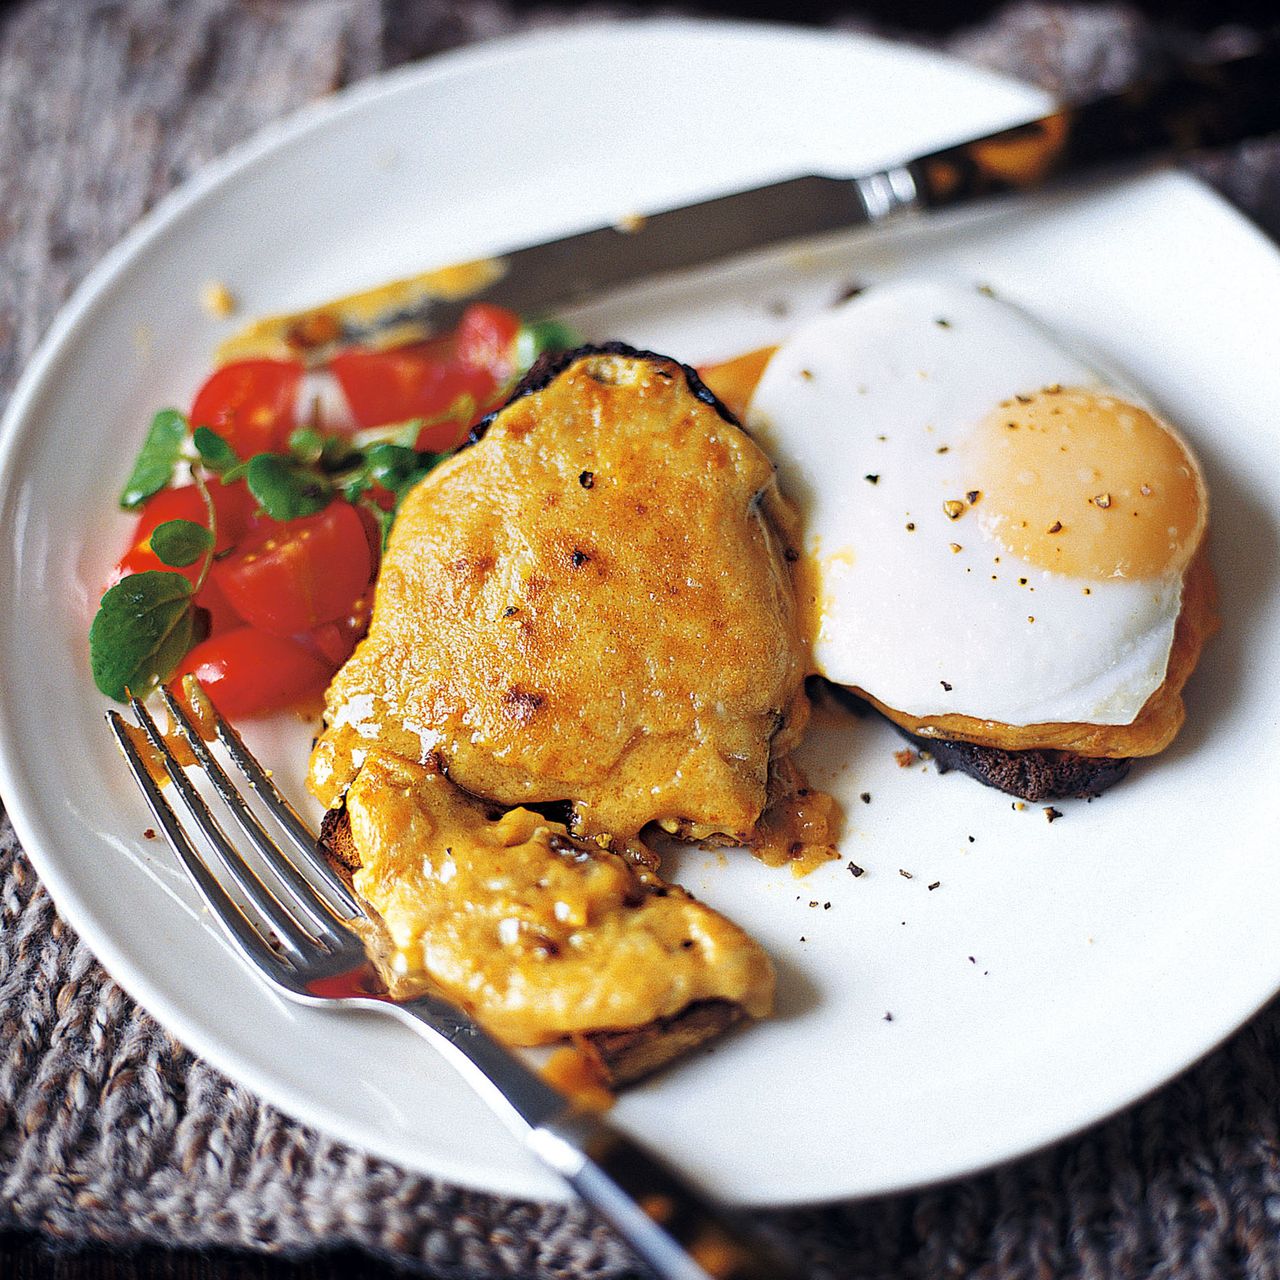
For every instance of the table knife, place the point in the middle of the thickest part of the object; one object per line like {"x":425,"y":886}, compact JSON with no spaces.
{"x":1191,"y":106}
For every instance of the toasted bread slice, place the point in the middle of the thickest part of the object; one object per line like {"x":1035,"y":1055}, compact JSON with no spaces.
{"x":1035,"y":774}
{"x":1031,"y":775}
{"x":623,"y":1057}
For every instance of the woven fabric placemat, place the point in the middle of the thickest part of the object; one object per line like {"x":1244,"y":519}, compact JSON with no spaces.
{"x":110,"y":1131}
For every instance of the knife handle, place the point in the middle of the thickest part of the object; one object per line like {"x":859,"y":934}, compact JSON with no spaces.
{"x":1197,"y":105}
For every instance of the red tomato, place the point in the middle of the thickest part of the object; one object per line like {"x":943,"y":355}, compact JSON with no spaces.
{"x":331,"y":643}
{"x":251,"y":404}
{"x":233,"y":507}
{"x":372,"y":529}
{"x":419,"y":381}
{"x":248,"y":672}
{"x":486,"y":339}
{"x":427,"y":379}
{"x":287,"y":578}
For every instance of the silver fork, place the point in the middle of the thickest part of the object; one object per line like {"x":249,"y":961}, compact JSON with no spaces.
{"x":295,"y":927}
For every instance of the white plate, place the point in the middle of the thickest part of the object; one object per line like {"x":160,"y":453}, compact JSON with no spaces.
{"x":1058,"y":972}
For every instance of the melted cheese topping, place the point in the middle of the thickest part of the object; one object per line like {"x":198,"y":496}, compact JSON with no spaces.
{"x":591,"y":604}
{"x":799,"y":827}
{"x":537,"y":934}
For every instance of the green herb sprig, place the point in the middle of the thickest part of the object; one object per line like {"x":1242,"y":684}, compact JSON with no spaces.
{"x":160,"y":453}
{"x":147,"y":623}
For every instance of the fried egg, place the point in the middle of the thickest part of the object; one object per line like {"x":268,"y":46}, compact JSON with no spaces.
{"x":995,"y":528}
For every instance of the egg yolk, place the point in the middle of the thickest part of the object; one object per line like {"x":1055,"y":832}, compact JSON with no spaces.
{"x":1086,"y":484}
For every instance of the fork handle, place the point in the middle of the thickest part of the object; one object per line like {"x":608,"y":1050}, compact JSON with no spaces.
{"x":677,"y":1229}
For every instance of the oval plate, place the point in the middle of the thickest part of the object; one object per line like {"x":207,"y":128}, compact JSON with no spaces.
{"x":1058,"y":972}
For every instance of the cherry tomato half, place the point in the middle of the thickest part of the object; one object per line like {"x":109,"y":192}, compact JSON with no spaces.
{"x":287,"y":578}
{"x":486,"y":339}
{"x":251,"y":404}
{"x":233,"y":507}
{"x":428,"y":379}
{"x":418,"y":381}
{"x":220,"y":616}
{"x":249,"y":672}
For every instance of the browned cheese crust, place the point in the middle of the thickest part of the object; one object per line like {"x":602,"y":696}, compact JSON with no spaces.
{"x":592,"y":603}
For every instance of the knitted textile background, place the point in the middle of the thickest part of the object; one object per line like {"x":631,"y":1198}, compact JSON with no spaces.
{"x":111,"y":1131}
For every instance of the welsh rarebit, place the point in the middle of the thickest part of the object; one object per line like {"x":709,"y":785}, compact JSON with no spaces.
{"x":586,"y":615}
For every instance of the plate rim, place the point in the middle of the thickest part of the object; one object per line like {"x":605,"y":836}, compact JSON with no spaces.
{"x":18,"y":422}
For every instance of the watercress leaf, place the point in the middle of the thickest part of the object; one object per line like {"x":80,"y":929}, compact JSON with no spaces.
{"x":285,"y":489}
{"x":306,"y":444}
{"x":538,"y":336}
{"x":339,"y":454}
{"x":354,"y":487}
{"x":160,"y":453}
{"x":427,"y":460}
{"x":180,"y":542}
{"x":142,"y":631}
{"x":214,"y":451}
{"x":390,"y":465}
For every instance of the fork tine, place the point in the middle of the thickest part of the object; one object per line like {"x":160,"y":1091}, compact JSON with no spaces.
{"x":291,"y":934}
{"x":304,"y":839}
{"x":215,"y":896}
{"x":319,"y":911}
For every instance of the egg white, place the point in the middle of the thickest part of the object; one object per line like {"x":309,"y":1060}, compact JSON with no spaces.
{"x":891,"y":385}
